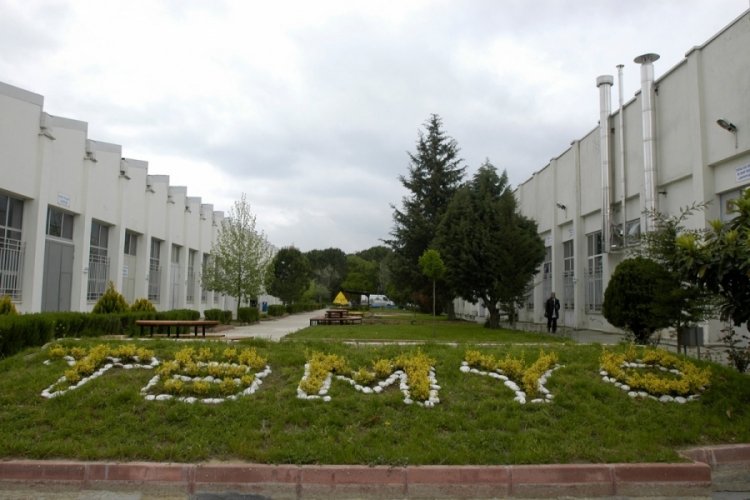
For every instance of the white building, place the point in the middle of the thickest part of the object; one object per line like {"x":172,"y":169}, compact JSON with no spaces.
{"x":75,"y":214}
{"x":683,"y":138}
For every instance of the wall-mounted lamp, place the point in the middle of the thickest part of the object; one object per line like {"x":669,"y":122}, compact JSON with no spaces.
{"x":729,"y":127}
{"x":663,"y":193}
{"x":561,"y":206}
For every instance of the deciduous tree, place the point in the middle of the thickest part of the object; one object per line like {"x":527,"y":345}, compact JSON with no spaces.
{"x":239,"y":256}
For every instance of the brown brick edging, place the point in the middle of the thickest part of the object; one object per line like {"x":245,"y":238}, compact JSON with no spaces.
{"x":522,"y":480}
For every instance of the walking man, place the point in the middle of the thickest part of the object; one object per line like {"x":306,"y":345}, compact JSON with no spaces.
{"x":552,"y":312}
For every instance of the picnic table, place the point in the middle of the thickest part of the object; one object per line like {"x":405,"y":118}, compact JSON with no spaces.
{"x":169,"y":323}
{"x":337,"y":317}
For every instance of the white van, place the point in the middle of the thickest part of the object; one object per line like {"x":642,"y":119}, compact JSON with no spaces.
{"x":378,"y":301}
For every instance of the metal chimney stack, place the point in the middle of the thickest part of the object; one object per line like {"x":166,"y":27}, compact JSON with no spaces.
{"x":604,"y":83}
{"x":649,"y":134}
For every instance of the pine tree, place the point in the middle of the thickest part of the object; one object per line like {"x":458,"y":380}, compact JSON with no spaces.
{"x":435,"y":173}
{"x":490,"y":250}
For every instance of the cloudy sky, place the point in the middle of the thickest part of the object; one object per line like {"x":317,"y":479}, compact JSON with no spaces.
{"x":310,"y":107}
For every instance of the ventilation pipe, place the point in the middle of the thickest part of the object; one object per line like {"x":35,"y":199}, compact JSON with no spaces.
{"x":604,"y":83}
{"x":623,"y":179}
{"x":649,"y":134}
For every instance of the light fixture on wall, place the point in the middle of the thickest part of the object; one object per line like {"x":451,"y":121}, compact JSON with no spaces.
{"x":729,"y":127}
{"x":561,"y":206}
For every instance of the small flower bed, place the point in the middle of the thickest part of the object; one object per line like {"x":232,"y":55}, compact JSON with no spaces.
{"x":663,"y":375}
{"x":197,"y":376}
{"x":86,"y":365}
{"x":414,"y":372}
{"x":512,"y":371}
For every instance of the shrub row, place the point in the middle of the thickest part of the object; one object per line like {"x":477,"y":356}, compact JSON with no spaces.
{"x":276,"y":310}
{"x":225,"y":317}
{"x":18,"y":332}
{"x":248,"y":315}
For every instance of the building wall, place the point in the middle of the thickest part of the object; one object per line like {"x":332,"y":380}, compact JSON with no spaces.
{"x":696,"y":161}
{"x":49,"y":162}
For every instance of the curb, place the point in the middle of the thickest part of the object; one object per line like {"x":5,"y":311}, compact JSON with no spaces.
{"x":579,"y":480}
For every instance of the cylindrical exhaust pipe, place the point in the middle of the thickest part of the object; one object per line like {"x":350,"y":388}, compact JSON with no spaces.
{"x":623,"y":169}
{"x":649,"y":134}
{"x":604,"y":83}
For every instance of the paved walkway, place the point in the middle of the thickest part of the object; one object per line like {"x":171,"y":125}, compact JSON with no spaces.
{"x":273,"y":329}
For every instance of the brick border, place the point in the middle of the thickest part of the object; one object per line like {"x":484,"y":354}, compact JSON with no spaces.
{"x":688,"y":479}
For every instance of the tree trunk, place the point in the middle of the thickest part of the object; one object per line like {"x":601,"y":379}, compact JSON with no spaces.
{"x":494,"y":321}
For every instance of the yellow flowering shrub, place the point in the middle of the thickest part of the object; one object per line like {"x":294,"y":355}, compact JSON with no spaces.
{"x":417,"y":368}
{"x":57,"y":352}
{"x":534,"y":372}
{"x":230,"y":354}
{"x":363,"y":376}
{"x":382,"y":368}
{"x":651,"y":379}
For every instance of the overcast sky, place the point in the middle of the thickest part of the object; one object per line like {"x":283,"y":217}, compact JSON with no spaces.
{"x":309,"y":107}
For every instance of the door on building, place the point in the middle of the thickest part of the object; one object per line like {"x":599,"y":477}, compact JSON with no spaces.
{"x":57,"y":283}
{"x":58,"y":276}
{"x":176,"y":277}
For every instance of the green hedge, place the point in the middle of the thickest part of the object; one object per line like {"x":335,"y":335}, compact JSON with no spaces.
{"x":248,"y":315}
{"x":303,"y":307}
{"x":17,"y":332}
{"x":276,"y":310}
{"x":225,"y":317}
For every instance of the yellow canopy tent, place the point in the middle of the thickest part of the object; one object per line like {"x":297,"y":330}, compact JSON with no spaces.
{"x":340,"y":300}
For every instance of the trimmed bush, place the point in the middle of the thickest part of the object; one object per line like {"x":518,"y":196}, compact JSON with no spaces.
{"x":276,"y":310}
{"x":7,"y":306}
{"x":142,"y":305}
{"x":225,"y":317}
{"x":111,"y":301}
{"x":248,"y":315}
{"x":17,"y":332}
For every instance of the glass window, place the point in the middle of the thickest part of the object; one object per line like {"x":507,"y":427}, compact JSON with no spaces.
{"x":11,"y":247}
{"x":568,"y":275}
{"x":98,"y":275}
{"x":59,"y":223}
{"x":594,"y":267}
{"x":131,"y":243}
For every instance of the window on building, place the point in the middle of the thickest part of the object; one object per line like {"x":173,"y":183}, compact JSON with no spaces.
{"x":568,"y":298}
{"x":529,"y":301}
{"x":633,"y":232}
{"x":204,"y":291}
{"x":98,"y":274}
{"x":727,"y":210}
{"x":547,"y":273}
{"x":131,"y":243}
{"x":594,"y":267}
{"x":59,"y":223}
{"x":190,"y":292}
{"x":154,"y":271}
{"x":11,"y":246}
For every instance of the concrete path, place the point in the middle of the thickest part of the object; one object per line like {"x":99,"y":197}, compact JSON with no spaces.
{"x":273,"y":329}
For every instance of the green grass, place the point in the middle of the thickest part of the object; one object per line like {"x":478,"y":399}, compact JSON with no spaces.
{"x":400,"y":326}
{"x":477,"y":422}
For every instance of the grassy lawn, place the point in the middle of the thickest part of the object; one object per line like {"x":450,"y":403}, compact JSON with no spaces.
{"x":476,"y":422}
{"x":401,"y":326}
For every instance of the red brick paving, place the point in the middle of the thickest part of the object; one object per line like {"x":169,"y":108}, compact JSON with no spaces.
{"x":692,"y":479}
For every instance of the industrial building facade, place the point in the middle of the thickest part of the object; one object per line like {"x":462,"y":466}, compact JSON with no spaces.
{"x":75,"y":215}
{"x":683,"y":138}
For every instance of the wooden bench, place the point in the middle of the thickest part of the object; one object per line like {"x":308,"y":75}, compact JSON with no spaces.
{"x":169,"y":323}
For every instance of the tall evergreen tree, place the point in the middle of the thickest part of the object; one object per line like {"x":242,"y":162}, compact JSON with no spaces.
{"x":490,"y":250}
{"x":435,"y":173}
